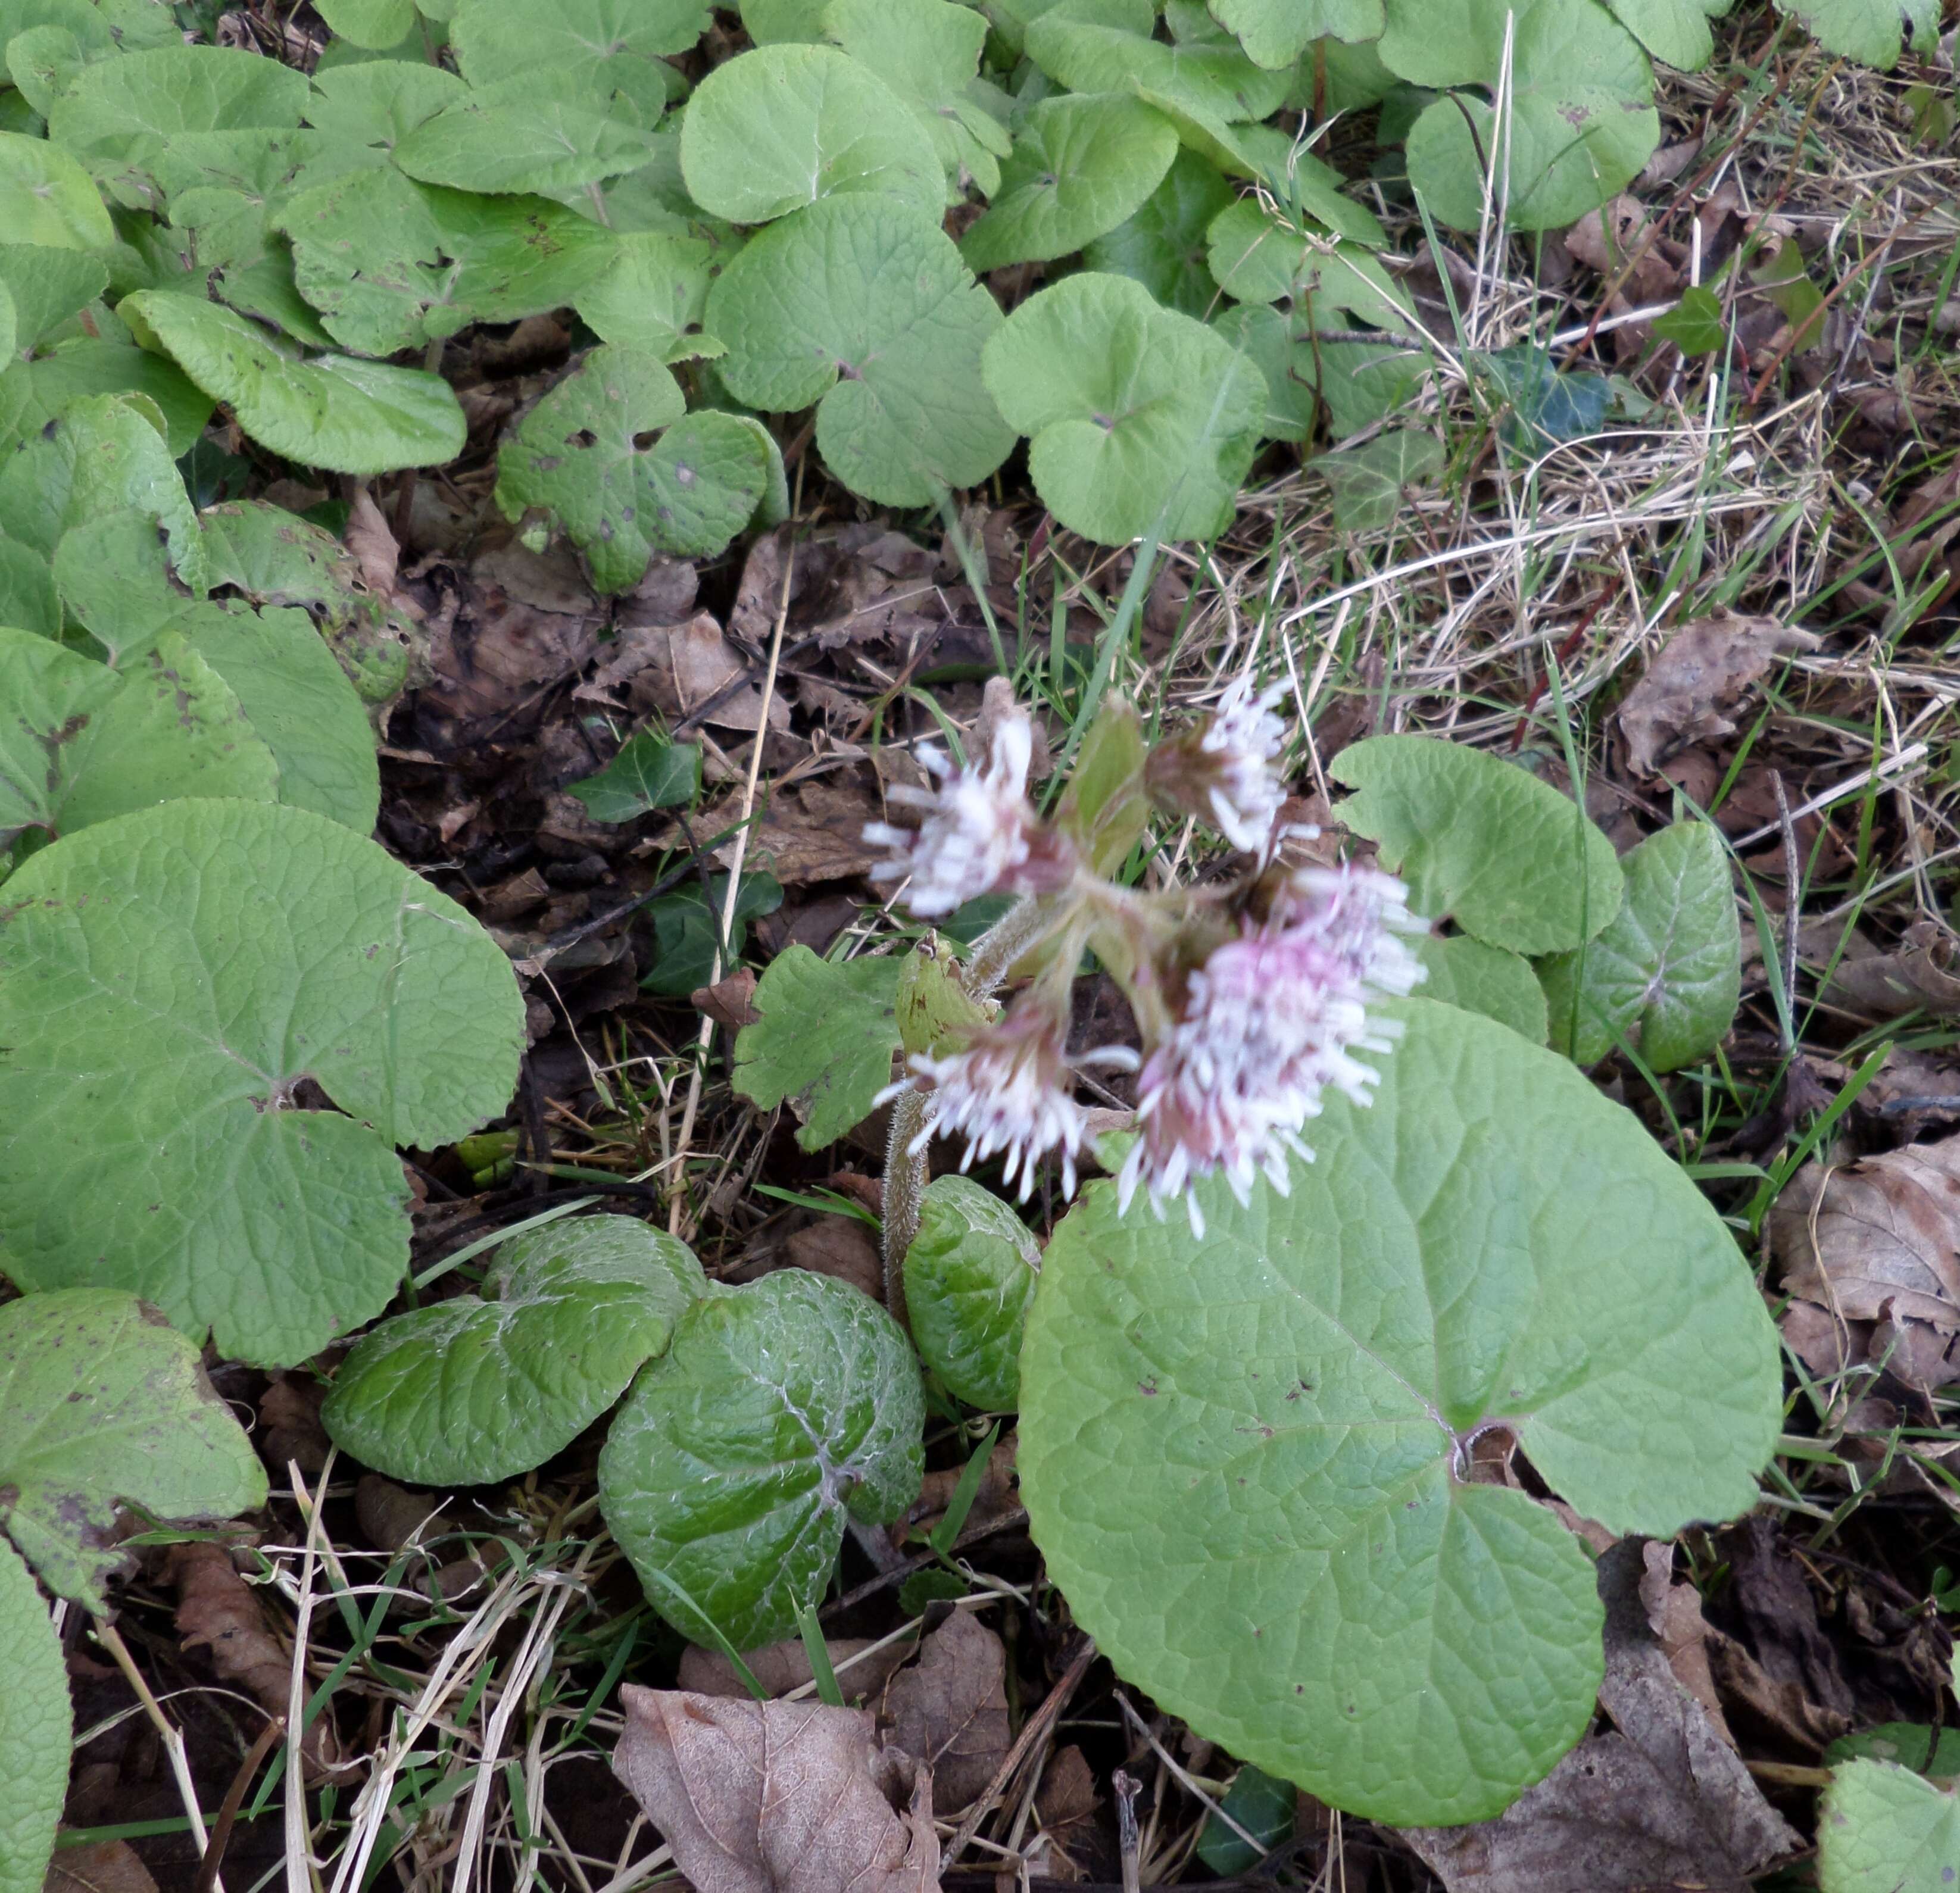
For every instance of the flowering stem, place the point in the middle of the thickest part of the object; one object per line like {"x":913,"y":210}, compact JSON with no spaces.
{"x":905,"y":1184}
{"x":1019,"y":928}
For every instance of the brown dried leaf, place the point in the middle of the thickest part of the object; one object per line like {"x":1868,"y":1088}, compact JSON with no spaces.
{"x":781,"y":1667}
{"x":814,"y":832}
{"x":841,"y":1248}
{"x":676,"y":669}
{"x":522,"y":624}
{"x":998,"y":1495}
{"x":1674,"y":1615}
{"x":1882,"y":1237}
{"x":369,"y":538}
{"x":108,"y":1866}
{"x":1066,"y":1802}
{"x":950,"y":1708}
{"x":289,"y":1425}
{"x":731,"y":1002}
{"x":777,"y":1797}
{"x":1700,"y":675}
{"x":1921,"y":976}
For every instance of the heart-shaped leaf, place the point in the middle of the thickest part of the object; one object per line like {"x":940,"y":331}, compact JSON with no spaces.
{"x":858,"y":304}
{"x":168,"y":982}
{"x":824,"y":1038}
{"x":579,"y":456}
{"x":334,"y":412}
{"x":1883,"y":1829}
{"x":650,"y":772}
{"x":380,"y":102}
{"x":1501,"y":985}
{"x":728,"y":1472}
{"x":529,"y":133}
{"x":1163,"y":245}
{"x":1079,"y":167}
{"x":482,"y":1388}
{"x":1581,"y":121}
{"x":1142,"y":420}
{"x":101,"y":1403}
{"x":786,"y":126}
{"x":1246,"y":1464}
{"x":1273,"y":340}
{"x":1256,"y":256}
{"x":1275,"y":33}
{"x":970,"y":1275}
{"x":36,"y":1728}
{"x":613,"y":46}
{"x":1667,"y":972}
{"x":47,"y":199}
{"x":1481,"y":842}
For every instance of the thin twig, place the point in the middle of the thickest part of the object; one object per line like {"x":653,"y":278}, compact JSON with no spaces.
{"x":107,"y":1635}
{"x":1790,"y":906}
{"x":234,"y":1799}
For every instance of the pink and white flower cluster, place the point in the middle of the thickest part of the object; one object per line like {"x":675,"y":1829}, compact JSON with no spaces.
{"x":1253,"y":1001}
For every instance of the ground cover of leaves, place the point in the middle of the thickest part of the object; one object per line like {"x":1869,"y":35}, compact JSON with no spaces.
{"x":1761,"y":616}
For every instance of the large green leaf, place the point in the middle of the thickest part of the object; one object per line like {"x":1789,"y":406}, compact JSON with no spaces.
{"x":1246,"y":1462}
{"x":824,"y":1038}
{"x":859,"y":304}
{"x":1142,"y":419}
{"x":1275,"y":33}
{"x":1079,"y":167}
{"x":392,"y":264}
{"x":786,"y":126}
{"x":1581,"y":123}
{"x":578,"y":457}
{"x":481,"y":1388}
{"x":1212,"y":75}
{"x":102,"y":1404}
{"x":653,"y":294}
{"x":1868,"y":30}
{"x":374,"y":24}
{"x":168,"y":983}
{"x":27,"y":595}
{"x":516,"y":135}
{"x":614,"y":45}
{"x":36,"y":1728}
{"x":728,"y":1473}
{"x":80,"y":744}
{"x":46,"y":286}
{"x":1480,"y":842}
{"x":335,"y":412}
{"x":1882,"y":1829}
{"x":51,"y":382}
{"x":1273,"y":341}
{"x":1462,"y":971}
{"x":1676,"y":31}
{"x":970,"y":1275}
{"x":47,"y":199}
{"x":380,"y":102}
{"x":1163,"y":245}
{"x":1667,"y":972}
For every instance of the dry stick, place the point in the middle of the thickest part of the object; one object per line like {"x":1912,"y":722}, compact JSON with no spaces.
{"x":1035,"y":1728}
{"x":1790,"y":905}
{"x":107,"y":1635}
{"x":297,"y":1846}
{"x":1128,"y":1788}
{"x":234,"y":1799}
{"x":678,"y":1162}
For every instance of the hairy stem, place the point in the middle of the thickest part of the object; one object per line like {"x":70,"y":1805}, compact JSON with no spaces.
{"x":905,"y":1184}
{"x":1019,"y":928}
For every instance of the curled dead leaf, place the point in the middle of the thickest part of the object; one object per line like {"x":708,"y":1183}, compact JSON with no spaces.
{"x":1696,"y":680}
{"x":950,"y":1709}
{"x":777,"y":1797}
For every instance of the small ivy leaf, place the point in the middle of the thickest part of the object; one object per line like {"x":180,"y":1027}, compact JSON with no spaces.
{"x":823,"y":1042}
{"x":1273,"y":341}
{"x":1079,"y":167}
{"x":935,"y":1010}
{"x":516,"y":135}
{"x":1501,"y":985}
{"x":1667,"y":972}
{"x":1162,"y":245}
{"x":928,"y":52}
{"x":857,"y":304}
{"x":1695,"y":325}
{"x":375,"y":25}
{"x":1211,"y":75}
{"x":1883,"y":1829}
{"x":1868,"y":30}
{"x":378,"y":102}
{"x":1493,"y":1242}
{"x":105,"y":454}
{"x":579,"y":456}
{"x":391,"y":265}
{"x":1369,"y":481}
{"x":1361,"y":383}
{"x":786,"y":126}
{"x":1674,"y":31}
{"x":970,"y":1275}
{"x":1511,"y":860}
{"x":1142,"y":420}
{"x":101,"y":1403}
{"x":1256,"y":257}
{"x":652,"y":295}
{"x":47,"y":199}
{"x":1258,"y":1806}
{"x":82,"y":744}
{"x":1582,"y":120}
{"x":479,"y":1388}
{"x":731,"y":1467}
{"x":334,"y":412}
{"x":686,"y":927}
{"x":48,"y":286}
{"x":612,"y":46}
{"x":170,"y":980}
{"x":1275,"y":33}
{"x":1547,"y":404}
{"x":36,"y":1729}
{"x":650,"y":772}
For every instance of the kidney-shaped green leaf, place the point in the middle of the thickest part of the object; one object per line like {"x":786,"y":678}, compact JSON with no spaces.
{"x":1275,"y":33}
{"x":1210,"y":74}
{"x":728,"y":1472}
{"x":1245,"y":1461}
{"x":1481,"y":841}
{"x":36,"y":1728}
{"x":47,"y":200}
{"x":859,"y":304}
{"x":970,"y":1275}
{"x":168,"y":982}
{"x":1141,"y":419}
{"x":481,"y":1388}
{"x":1883,"y":1829}
{"x":613,"y":46}
{"x":534,"y":132}
{"x":1163,"y":246}
{"x":101,"y":1403}
{"x":1667,"y":972}
{"x":334,"y":412}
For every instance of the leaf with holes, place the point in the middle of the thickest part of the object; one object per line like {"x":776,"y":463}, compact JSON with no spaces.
{"x":1667,"y":972}
{"x":1248,"y":1476}
{"x":482,"y":1388}
{"x":970,"y":1275}
{"x":174,"y":982}
{"x":1079,"y":167}
{"x":858,"y":305}
{"x":1480,"y":842}
{"x":727,"y":1476}
{"x":1141,"y":420}
{"x":824,"y":1041}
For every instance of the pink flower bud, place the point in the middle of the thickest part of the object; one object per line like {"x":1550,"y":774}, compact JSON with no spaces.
{"x":1222,"y":771}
